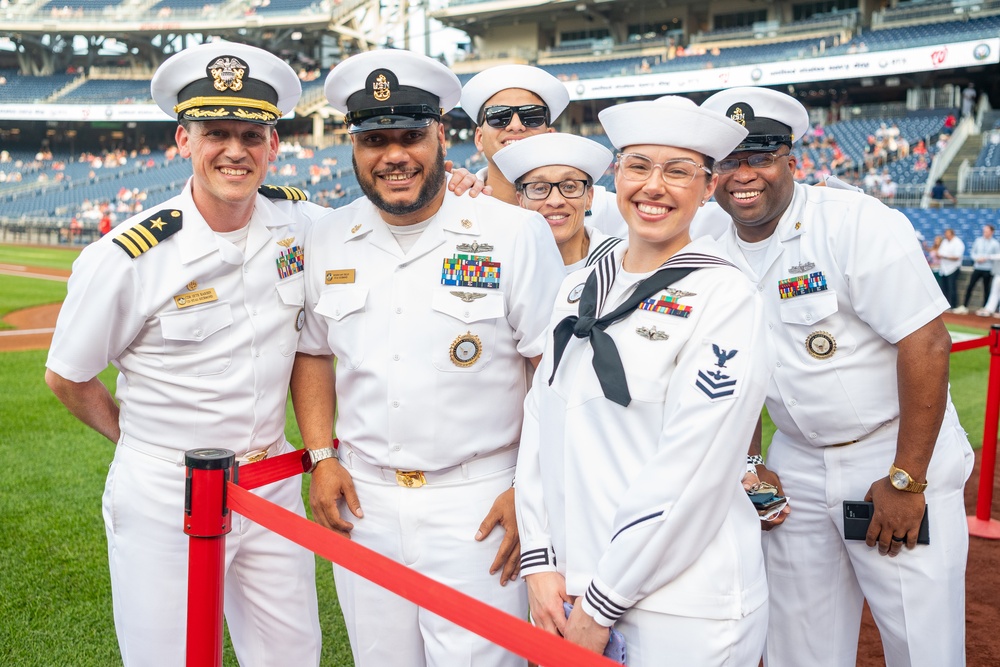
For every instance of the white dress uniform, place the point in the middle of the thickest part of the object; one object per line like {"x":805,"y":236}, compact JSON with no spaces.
{"x":431,"y":374}
{"x":854,"y":282}
{"x":641,"y":507}
{"x":203,"y":336}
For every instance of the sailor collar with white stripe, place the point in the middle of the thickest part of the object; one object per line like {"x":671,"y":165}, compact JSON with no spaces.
{"x":691,"y":256}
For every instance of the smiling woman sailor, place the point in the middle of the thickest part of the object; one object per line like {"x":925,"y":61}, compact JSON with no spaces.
{"x":634,"y":441}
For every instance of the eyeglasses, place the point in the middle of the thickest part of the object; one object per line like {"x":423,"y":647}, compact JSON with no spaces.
{"x":679,"y":173}
{"x":755,"y":161}
{"x":531,"y":115}
{"x":571,"y":188}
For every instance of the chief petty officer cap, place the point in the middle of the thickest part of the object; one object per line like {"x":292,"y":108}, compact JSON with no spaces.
{"x":553,"y":148}
{"x":672,"y":121}
{"x":391,"y":89}
{"x":489,"y":82}
{"x":772,"y":118}
{"x":226,"y":81}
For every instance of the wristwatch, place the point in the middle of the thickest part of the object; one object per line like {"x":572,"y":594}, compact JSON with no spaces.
{"x":317,"y":455}
{"x":900,"y":479}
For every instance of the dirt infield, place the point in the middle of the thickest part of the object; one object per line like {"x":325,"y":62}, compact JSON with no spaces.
{"x":33,"y":331}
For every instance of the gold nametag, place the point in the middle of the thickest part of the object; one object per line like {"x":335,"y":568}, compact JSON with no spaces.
{"x":340,"y":277}
{"x":194,"y":298}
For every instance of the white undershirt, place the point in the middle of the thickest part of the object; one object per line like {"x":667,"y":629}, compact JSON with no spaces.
{"x":408,"y":235}
{"x":625,"y":283}
{"x":238,"y":238}
{"x":755,"y":253}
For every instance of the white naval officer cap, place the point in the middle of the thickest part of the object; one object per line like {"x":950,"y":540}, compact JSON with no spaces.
{"x":672,"y":121}
{"x":553,"y":148}
{"x":491,"y":81}
{"x":391,"y":89}
{"x":771,"y":118}
{"x":226,"y":81}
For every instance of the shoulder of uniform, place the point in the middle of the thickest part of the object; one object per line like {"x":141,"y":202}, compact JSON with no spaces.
{"x":147,"y":233}
{"x":286,"y":192}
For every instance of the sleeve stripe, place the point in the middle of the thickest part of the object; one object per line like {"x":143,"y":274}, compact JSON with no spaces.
{"x":603,"y":605}
{"x":126,"y":245}
{"x":535,"y":558}
{"x":137,"y":239}
{"x":637,"y":521}
{"x":150,"y":239}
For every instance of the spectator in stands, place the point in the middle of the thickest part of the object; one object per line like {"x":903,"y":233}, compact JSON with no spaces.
{"x":933,"y":254}
{"x":872,"y":182}
{"x":983,"y":250}
{"x":949,"y":124}
{"x":968,"y":100}
{"x":951,"y":252}
{"x":920,"y":148}
{"x":920,"y":164}
{"x":939,"y":193}
{"x":888,"y":188}
{"x":993,"y":302}
{"x":860,"y":400}
{"x":208,"y":260}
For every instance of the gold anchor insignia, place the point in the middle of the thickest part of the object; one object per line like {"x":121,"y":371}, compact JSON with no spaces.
{"x":227,"y":73}
{"x":466,"y":223}
{"x":287,"y":242}
{"x":468,"y":297}
{"x":157,"y":224}
{"x":355,"y":228}
{"x":738,"y":116}
{"x":380,"y":88}
{"x":798,"y":225}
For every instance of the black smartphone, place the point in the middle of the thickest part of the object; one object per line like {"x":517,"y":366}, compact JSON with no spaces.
{"x":858,"y":516}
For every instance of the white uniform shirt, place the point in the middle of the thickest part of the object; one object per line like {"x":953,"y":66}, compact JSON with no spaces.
{"x":878,"y":290}
{"x":430,"y":375}
{"x":202,"y":375}
{"x":643,"y":505}
{"x":953,"y":247}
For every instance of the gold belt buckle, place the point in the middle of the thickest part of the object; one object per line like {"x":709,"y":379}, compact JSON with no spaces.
{"x":411,"y":479}
{"x":259,"y":456}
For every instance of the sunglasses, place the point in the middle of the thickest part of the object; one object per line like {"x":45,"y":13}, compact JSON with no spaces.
{"x":530,"y":115}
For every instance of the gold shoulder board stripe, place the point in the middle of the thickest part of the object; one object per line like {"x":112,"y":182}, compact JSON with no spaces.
{"x":282,"y":192}
{"x":142,"y":236}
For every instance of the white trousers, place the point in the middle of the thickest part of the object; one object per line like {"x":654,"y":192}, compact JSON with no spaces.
{"x":270,"y":585}
{"x":432,"y":530}
{"x":993,"y":300}
{"x":653,"y":639}
{"x":818,"y":581}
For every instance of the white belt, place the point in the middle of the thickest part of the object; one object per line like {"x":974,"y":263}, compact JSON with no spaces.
{"x":176,"y":456}
{"x":503,"y":459}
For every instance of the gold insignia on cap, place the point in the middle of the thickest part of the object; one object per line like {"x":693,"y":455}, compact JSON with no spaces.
{"x":192,"y":286}
{"x":287,"y":243}
{"x":466,"y":223}
{"x":465,"y":350}
{"x":739,"y":116}
{"x":380,"y":88}
{"x":227,"y":73}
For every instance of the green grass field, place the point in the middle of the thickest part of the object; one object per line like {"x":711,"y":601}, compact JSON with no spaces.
{"x":55,"y":597}
{"x":55,"y":258}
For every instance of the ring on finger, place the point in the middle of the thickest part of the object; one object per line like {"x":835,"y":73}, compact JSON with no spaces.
{"x":898,"y":539}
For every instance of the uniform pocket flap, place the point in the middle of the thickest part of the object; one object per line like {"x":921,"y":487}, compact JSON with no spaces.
{"x":292,"y":290}
{"x":198,"y":324}
{"x":809,"y":309}
{"x":340,"y":303}
{"x":469,"y":306}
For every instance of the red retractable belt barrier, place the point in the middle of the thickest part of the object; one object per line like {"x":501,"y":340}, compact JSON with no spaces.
{"x":205,"y":571}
